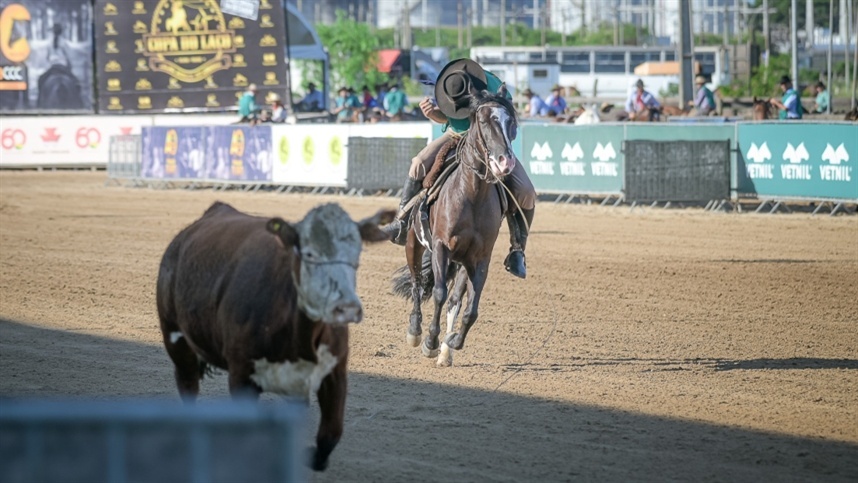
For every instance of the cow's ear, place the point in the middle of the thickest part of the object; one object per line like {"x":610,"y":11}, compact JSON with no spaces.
{"x":369,"y":227}
{"x":283,"y":230}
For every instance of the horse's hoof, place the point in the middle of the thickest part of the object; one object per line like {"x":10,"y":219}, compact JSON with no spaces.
{"x":430,"y":353}
{"x":413,"y":340}
{"x":445,"y":358}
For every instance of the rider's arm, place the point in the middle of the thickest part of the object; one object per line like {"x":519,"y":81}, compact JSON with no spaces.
{"x":431,"y":111}
{"x":653,"y":102}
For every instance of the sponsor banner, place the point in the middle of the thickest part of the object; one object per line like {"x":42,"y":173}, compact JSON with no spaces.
{"x":239,"y":153}
{"x":185,"y":55}
{"x":63,"y":140}
{"x":174,"y":152}
{"x":798,"y":160}
{"x":574,"y":159}
{"x":46,"y":56}
{"x":313,"y":155}
{"x":193,"y":119}
{"x":387,"y":130}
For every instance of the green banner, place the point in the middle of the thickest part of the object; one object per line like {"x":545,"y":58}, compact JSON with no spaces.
{"x":574,"y":159}
{"x":798,"y":160}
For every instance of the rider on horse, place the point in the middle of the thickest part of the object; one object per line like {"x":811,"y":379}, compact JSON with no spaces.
{"x":457,"y":83}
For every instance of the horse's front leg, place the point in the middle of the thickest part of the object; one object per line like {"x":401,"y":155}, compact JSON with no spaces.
{"x":445,"y":358}
{"x":414,"y":257}
{"x":440,"y":263}
{"x":477,"y":276}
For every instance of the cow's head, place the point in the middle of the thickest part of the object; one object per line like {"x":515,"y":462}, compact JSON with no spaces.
{"x":327,"y":246}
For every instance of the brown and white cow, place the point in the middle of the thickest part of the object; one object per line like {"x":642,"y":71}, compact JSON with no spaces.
{"x":268,"y":301}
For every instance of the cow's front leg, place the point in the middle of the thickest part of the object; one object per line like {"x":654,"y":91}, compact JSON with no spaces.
{"x":332,"y":402}
{"x":240,"y":384}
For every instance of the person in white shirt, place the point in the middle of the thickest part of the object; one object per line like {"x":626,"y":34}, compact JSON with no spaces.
{"x":639,"y":100}
{"x":278,"y":110}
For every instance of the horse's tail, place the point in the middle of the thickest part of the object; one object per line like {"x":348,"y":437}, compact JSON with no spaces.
{"x":401,"y":283}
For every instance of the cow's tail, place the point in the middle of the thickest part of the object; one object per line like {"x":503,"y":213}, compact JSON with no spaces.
{"x":402,"y":278}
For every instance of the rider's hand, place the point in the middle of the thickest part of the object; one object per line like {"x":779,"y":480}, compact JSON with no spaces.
{"x":427,"y":106}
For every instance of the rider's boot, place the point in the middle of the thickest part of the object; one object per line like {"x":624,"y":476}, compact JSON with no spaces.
{"x":519,"y":226}
{"x":398,"y":228}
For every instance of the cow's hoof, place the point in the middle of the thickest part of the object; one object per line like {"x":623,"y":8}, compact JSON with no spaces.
{"x":429,"y":352}
{"x":317,"y":463}
{"x":413,"y":340}
{"x":445,"y":358}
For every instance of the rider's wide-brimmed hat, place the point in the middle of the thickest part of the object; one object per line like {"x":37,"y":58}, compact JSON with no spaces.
{"x":784,"y":80}
{"x":273,"y":97}
{"x":527,"y":92}
{"x":700,"y":80}
{"x":639,"y":83}
{"x":456,"y":83}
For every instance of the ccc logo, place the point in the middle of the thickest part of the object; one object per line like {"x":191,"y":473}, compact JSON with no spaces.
{"x":87,"y":137}
{"x":12,"y":73}
{"x":13,"y":138}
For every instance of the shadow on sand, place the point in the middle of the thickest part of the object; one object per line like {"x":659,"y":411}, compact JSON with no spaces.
{"x":405,"y":430}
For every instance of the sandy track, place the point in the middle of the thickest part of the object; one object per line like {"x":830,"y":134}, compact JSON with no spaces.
{"x":645,"y":345}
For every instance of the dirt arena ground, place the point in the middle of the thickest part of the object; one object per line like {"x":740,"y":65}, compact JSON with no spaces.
{"x":646,"y":345}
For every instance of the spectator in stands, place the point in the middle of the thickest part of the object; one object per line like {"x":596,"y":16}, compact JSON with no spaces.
{"x":555,"y":104}
{"x":381,"y":92}
{"x":395,"y":102}
{"x":371,"y":110}
{"x":347,"y":107}
{"x":639,"y":100}
{"x":312,"y":102}
{"x":704,"y":101}
{"x":820,"y":105}
{"x":789,"y":107}
{"x":247,"y":107}
{"x":277,"y":113}
{"x":535,"y":104}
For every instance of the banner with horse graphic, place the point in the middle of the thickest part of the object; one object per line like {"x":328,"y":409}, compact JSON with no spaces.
{"x":46,"y":56}
{"x":185,"y":55}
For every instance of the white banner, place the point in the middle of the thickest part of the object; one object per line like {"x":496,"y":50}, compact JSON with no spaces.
{"x":317,"y":154}
{"x":311,"y":155}
{"x":56,"y":141}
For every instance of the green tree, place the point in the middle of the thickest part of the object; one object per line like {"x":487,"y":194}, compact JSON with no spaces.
{"x":353,"y":49}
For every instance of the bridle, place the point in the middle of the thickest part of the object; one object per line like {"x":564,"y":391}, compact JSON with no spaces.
{"x":479,"y":147}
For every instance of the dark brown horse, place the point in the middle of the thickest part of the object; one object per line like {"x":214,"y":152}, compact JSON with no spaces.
{"x":464,"y":224}
{"x":762,"y":109}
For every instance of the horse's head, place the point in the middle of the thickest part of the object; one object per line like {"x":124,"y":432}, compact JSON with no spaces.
{"x":494,"y":125}
{"x":762,"y":109}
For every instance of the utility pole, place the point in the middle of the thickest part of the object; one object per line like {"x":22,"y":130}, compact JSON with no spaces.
{"x":503,"y":23}
{"x":830,"y":50}
{"x":459,"y":22}
{"x":808,"y":22}
{"x":768,"y":37}
{"x":686,"y":52}
{"x":724,"y":26}
{"x":793,"y":37}
{"x":847,"y":39}
{"x":470,"y":15}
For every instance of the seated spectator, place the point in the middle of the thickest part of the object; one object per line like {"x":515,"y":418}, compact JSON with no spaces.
{"x":820,"y":105}
{"x":347,"y":106}
{"x":312,"y":102}
{"x":535,"y":104}
{"x":371,"y":110}
{"x":395,"y":102}
{"x":555,"y":104}
{"x":381,"y":92}
{"x":247,"y":107}
{"x":277,"y":113}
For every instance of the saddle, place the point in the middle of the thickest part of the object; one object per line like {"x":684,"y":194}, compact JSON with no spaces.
{"x":446,"y":162}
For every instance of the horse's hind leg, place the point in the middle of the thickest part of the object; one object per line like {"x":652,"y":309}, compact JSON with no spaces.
{"x":440,"y":263}
{"x":414,"y":256}
{"x":477,"y":276}
{"x":454,"y":304}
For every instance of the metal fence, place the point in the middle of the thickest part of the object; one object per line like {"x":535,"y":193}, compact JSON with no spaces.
{"x":118,"y":442}
{"x":380,"y":163}
{"x":124,"y":160}
{"x":684,"y":171}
